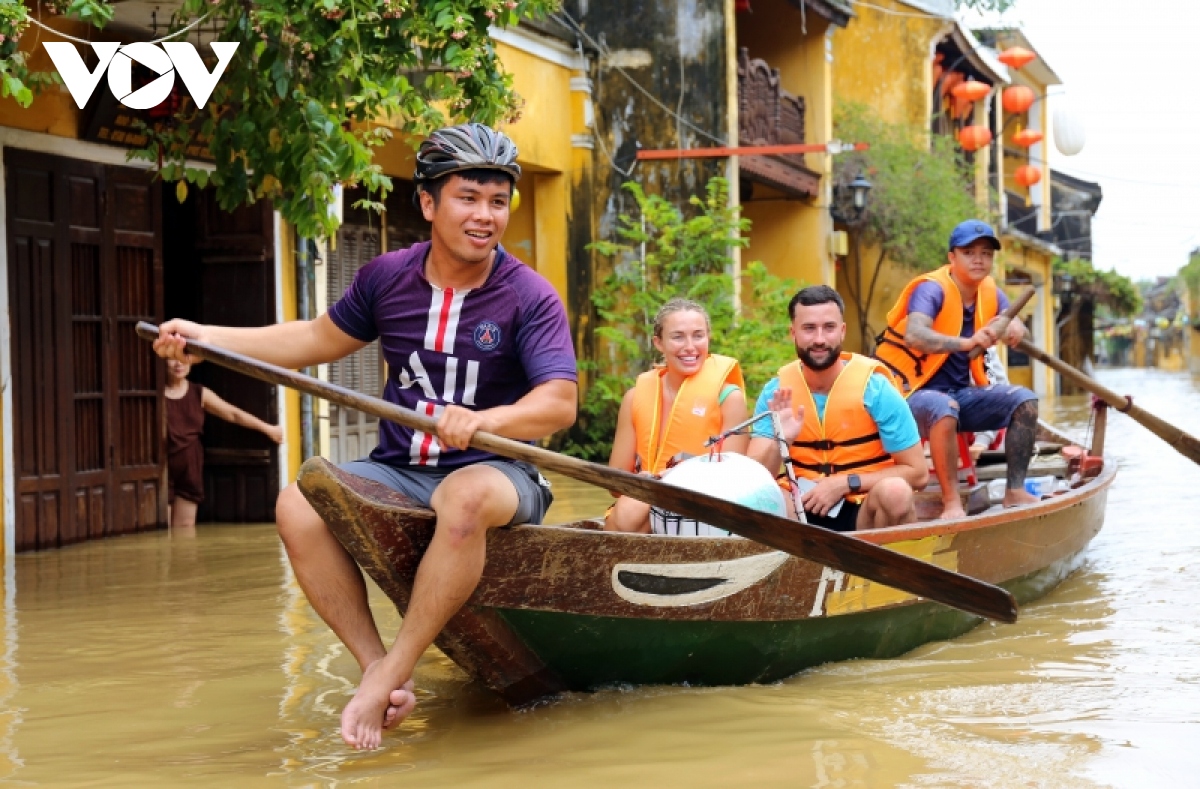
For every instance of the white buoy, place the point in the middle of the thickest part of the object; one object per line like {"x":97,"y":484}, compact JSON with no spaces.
{"x":1070,"y":134}
{"x":727,"y":476}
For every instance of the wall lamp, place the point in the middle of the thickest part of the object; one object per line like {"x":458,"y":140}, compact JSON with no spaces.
{"x":850,"y":200}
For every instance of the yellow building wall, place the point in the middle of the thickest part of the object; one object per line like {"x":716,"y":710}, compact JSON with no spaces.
{"x":883,"y":60}
{"x":521,"y":236}
{"x":891,"y":283}
{"x":791,"y":235}
{"x":543,"y":132}
{"x":1039,"y":315}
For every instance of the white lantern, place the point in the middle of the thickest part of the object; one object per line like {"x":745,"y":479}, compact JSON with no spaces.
{"x":727,"y":476}
{"x":1069,"y":131}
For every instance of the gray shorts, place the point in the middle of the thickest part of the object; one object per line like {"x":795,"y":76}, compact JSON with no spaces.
{"x":418,"y":483}
{"x":976,"y":408}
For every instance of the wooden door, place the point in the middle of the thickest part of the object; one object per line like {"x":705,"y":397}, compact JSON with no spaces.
{"x":353,"y":434}
{"x":85,"y":264}
{"x":135,"y":376}
{"x":236,"y":257}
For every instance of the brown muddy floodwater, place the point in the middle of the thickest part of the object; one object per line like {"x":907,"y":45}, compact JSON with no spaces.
{"x":159,"y":661}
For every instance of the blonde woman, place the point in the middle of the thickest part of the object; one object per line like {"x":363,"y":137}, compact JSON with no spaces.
{"x":673,"y":409}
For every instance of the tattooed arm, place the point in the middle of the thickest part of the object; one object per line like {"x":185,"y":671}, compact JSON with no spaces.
{"x":921,"y":336}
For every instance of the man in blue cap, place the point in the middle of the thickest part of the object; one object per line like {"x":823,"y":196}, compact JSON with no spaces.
{"x":936,"y":323}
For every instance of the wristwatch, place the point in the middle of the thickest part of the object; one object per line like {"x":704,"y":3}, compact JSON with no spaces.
{"x":854,"y":482}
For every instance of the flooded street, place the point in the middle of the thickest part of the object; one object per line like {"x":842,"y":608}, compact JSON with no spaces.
{"x":156,"y":660}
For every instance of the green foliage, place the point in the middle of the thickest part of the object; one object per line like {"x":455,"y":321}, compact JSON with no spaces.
{"x":298,"y":110}
{"x":664,"y":253}
{"x":920,"y":191}
{"x":1114,"y":291}
{"x":16,"y":80}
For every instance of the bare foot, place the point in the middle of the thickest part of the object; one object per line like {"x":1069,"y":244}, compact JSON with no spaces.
{"x":1019,"y":497}
{"x":400,"y":705}
{"x":953,"y":510}
{"x":364,"y":717}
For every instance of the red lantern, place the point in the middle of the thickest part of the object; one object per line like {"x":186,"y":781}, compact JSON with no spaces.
{"x":1017,"y":99}
{"x":1027,"y":175}
{"x":1016,"y":57}
{"x":1027,"y":137}
{"x":971,"y":90}
{"x":972,"y":138}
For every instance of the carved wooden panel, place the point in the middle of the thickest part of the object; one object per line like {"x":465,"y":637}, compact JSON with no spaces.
{"x":769,"y":115}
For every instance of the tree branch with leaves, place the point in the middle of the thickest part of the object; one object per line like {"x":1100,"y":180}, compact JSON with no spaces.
{"x":663,"y":252}
{"x":921,"y":190}
{"x":315,"y":86}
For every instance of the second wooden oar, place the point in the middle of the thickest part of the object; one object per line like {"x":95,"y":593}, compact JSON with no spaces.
{"x":814,"y":543}
{"x":1183,"y":443}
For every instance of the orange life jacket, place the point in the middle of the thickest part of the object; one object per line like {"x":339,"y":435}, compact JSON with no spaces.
{"x":913,"y":369}
{"x":695,"y":415}
{"x":847,"y":438}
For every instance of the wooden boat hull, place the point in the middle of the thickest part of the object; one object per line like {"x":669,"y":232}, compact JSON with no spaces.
{"x":572,"y":608}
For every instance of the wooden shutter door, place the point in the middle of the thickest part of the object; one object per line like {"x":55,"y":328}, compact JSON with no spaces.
{"x":136,"y":376}
{"x":88,"y":420}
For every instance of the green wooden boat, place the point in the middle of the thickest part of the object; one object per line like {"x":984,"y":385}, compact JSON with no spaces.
{"x":570,"y":607}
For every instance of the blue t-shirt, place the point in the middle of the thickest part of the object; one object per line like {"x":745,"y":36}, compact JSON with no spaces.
{"x":477,"y":347}
{"x":897,"y":428}
{"x":927,"y":299}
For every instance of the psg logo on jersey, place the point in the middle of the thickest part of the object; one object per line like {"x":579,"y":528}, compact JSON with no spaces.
{"x":487,"y":336}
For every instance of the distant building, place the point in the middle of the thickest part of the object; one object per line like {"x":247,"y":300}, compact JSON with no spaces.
{"x":1074,"y":202}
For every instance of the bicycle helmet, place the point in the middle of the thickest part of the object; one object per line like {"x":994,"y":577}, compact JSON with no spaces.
{"x":470,"y":146}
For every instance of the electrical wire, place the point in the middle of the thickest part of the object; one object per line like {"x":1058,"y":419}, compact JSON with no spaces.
{"x":599,"y":138}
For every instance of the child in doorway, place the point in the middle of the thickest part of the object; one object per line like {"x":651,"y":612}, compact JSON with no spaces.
{"x":186,"y":404}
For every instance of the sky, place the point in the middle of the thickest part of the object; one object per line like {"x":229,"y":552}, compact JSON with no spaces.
{"x":1127,"y":70}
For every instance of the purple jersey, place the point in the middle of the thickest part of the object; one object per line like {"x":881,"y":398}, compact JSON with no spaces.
{"x":476,"y":347}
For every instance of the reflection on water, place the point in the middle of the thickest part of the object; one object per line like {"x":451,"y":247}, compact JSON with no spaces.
{"x":156,"y":660}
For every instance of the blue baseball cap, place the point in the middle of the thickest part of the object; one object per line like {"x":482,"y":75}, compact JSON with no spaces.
{"x":972,"y":230}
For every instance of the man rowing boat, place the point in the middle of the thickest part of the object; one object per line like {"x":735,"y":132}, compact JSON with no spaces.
{"x":472,"y":337}
{"x":938,"y":320}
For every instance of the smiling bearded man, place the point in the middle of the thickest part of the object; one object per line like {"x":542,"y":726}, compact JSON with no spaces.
{"x":851,"y":439}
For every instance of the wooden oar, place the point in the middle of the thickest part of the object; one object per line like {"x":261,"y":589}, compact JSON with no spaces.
{"x":1183,"y":443}
{"x":826,"y":547}
{"x":1014,"y":309}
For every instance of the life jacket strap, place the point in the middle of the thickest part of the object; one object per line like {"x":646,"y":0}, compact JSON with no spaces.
{"x":829,"y":469}
{"x":826,"y":445}
{"x":897,"y":340}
